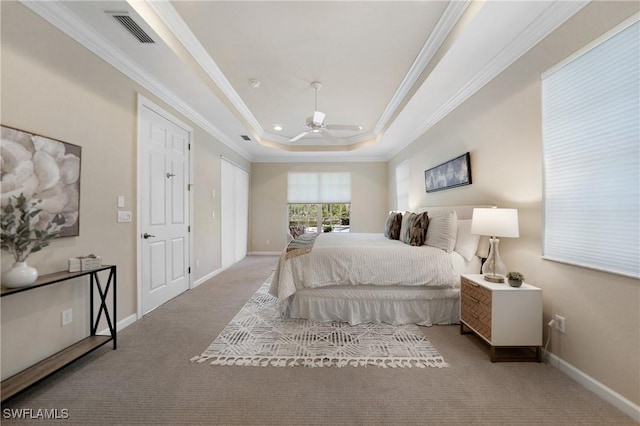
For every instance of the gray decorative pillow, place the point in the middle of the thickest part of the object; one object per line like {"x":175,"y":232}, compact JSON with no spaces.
{"x":418,"y":231}
{"x":442,"y":231}
{"x":392,"y":225}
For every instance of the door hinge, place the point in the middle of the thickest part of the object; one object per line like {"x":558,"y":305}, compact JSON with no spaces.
{"x":188,"y":228}
{"x":189,"y":269}
{"x":189,"y":146}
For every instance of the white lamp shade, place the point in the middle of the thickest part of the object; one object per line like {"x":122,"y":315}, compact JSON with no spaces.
{"x":495,"y":222}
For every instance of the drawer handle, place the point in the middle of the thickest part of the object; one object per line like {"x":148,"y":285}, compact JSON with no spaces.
{"x":473,"y":298}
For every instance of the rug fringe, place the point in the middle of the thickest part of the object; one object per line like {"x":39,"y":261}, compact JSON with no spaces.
{"x":321,"y":362}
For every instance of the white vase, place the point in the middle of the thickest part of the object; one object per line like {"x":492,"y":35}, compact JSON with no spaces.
{"x":20,"y":275}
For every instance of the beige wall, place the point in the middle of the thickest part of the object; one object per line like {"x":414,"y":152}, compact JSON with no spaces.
{"x":268,"y":208}
{"x":53,"y":86}
{"x":501,"y":127}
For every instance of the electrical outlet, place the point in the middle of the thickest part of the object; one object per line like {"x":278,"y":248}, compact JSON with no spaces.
{"x":67,"y":316}
{"x":559,"y":323}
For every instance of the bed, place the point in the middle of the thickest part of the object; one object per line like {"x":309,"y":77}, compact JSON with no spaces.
{"x":360,"y":277}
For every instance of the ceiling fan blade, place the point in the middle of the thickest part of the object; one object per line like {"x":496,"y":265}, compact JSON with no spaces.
{"x":301,"y":135}
{"x":318,"y":117}
{"x":352,"y":127}
{"x":328,"y":136}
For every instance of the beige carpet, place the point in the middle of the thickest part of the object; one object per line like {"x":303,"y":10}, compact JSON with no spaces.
{"x":149,"y":379}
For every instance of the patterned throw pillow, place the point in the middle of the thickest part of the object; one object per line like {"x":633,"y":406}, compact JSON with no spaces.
{"x":418,"y":231}
{"x":392,"y":225}
{"x":407,"y":222}
{"x":442,"y":231}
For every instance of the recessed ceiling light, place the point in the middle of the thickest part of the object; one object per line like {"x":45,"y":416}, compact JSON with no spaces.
{"x":277,"y":127}
{"x":254,"y":83}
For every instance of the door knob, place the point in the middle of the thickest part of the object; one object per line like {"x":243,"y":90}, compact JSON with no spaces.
{"x":145,"y":236}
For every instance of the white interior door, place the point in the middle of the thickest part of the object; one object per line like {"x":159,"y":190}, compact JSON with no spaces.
{"x":164,"y":208}
{"x":234,"y":200}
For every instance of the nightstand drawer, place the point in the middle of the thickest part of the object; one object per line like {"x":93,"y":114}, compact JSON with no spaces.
{"x":478,"y":324}
{"x":475,"y":307}
{"x":479,"y":293}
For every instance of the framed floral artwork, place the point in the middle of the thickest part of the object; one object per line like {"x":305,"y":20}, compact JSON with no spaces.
{"x":44,"y":170}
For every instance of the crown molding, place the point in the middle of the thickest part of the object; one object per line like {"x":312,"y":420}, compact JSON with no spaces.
{"x":550,"y":19}
{"x":62,"y":18}
{"x":172,"y":19}
{"x":446,"y":23}
{"x":314,"y":157}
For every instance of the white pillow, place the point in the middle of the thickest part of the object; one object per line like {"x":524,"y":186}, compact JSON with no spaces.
{"x":442,"y":231}
{"x":466,"y":242}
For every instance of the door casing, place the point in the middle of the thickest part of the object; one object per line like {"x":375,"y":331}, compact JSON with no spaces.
{"x":142,"y":103}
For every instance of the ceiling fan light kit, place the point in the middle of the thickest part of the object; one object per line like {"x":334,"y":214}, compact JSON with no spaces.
{"x":316,"y":123}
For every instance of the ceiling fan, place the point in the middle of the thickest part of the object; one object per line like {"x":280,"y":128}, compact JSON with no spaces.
{"x":316,"y":122}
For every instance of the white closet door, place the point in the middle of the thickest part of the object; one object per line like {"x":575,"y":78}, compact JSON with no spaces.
{"x":242,"y":213}
{"x":235,"y":213}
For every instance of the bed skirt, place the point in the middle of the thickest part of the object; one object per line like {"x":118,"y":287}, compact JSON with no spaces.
{"x":362,"y":304}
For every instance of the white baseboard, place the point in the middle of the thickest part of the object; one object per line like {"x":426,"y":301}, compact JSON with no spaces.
{"x":210,"y":275}
{"x":265,"y":253}
{"x":121,"y":325}
{"x":612,"y":397}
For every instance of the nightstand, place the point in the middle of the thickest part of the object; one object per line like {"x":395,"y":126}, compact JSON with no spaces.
{"x":505,"y":317}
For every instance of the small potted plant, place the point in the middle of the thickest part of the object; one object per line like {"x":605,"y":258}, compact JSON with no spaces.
{"x":515,"y":279}
{"x":23,"y":234}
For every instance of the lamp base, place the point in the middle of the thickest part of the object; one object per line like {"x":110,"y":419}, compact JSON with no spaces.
{"x":494,"y":278}
{"x":493,"y":268}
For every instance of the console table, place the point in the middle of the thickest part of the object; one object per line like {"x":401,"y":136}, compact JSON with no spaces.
{"x":55,"y":362}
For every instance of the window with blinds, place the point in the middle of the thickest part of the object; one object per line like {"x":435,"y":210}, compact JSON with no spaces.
{"x":319,"y":187}
{"x":591,"y":155}
{"x":402,"y":186}
{"x":320,"y":201}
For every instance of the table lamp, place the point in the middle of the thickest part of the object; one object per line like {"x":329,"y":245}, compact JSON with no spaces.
{"x":495,"y":222}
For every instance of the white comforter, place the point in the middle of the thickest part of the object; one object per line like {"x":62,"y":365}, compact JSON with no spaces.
{"x":358,"y":258}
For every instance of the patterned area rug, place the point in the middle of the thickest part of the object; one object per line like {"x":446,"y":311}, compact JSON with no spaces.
{"x":259,"y":336}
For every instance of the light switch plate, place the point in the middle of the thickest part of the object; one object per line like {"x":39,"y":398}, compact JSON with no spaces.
{"x":120,"y":201}
{"x":124,"y":217}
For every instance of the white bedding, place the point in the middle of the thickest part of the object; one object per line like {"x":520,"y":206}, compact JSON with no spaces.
{"x":364,"y":259}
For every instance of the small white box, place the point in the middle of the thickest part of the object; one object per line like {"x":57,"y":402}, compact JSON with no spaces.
{"x":84,"y":263}
{"x":74,"y":264}
{"x":87,"y":263}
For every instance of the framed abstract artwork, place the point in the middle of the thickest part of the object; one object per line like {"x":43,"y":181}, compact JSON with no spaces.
{"x":453,"y":173}
{"x":44,"y":170}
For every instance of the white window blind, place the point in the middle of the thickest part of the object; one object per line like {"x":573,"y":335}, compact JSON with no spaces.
{"x":402,"y":186}
{"x":319,"y":187}
{"x":591,"y":155}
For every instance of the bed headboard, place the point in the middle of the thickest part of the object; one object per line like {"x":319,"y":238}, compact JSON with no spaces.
{"x":463,"y":212}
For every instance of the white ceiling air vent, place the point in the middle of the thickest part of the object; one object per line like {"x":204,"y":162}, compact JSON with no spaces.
{"x":131,"y":26}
